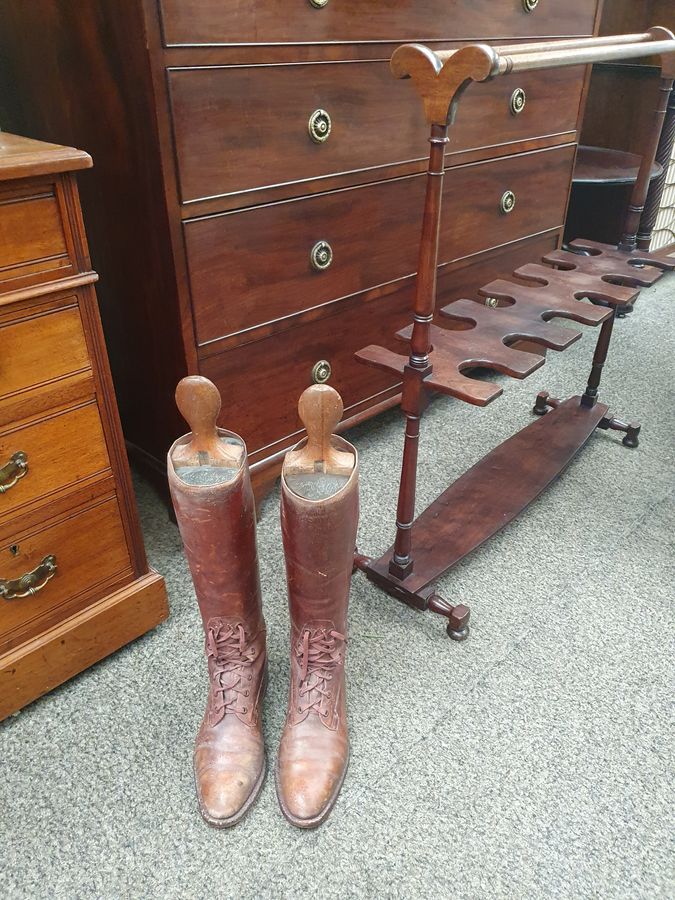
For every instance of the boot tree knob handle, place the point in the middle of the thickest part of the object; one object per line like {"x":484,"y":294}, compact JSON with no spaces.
{"x":198,"y":401}
{"x":320,"y":409}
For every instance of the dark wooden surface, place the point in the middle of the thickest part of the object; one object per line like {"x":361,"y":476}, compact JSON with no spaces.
{"x":601,"y":165}
{"x":278,"y":21}
{"x":227,"y":123}
{"x":492,"y":493}
{"x":74,"y":501}
{"x":225,"y":258}
{"x":222,"y":149}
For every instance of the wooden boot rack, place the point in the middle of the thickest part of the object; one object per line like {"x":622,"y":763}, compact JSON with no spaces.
{"x":510,"y":477}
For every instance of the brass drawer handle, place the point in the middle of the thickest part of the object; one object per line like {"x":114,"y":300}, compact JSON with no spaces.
{"x":321,"y":371}
{"x":321,"y":256}
{"x":318,"y":4}
{"x":320,"y":126}
{"x":508,"y":202}
{"x":15,"y":469}
{"x":518,"y":101}
{"x":528,"y":5}
{"x":31,"y":582}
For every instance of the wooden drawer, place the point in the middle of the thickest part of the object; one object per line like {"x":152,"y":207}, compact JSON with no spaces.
{"x":254,"y":266}
{"x":277,"y":369}
{"x":60,"y":451}
{"x":91,"y":555}
{"x":35,"y":239}
{"x":42,"y":345}
{"x":300,"y":21}
{"x":246,"y":127}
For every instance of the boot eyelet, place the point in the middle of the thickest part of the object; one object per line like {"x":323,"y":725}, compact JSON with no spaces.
{"x":244,"y":710}
{"x":246,"y":693}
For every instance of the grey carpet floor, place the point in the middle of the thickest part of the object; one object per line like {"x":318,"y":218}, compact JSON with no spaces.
{"x":533,"y":761}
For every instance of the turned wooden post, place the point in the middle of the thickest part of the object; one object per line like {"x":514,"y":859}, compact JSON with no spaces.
{"x":414,"y":398}
{"x":663,"y":157}
{"x":638,"y":200}
{"x":590,"y":395}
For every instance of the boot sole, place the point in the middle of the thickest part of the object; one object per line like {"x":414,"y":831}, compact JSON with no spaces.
{"x":323,"y":815}
{"x":239,"y":815}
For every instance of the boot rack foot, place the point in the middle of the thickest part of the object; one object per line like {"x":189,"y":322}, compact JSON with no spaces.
{"x":544,"y":402}
{"x":631,"y":429}
{"x":426,"y":598}
{"x":458,"y":617}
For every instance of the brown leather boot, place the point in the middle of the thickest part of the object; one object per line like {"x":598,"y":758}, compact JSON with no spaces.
{"x":212,"y":496}
{"x":319,"y":518}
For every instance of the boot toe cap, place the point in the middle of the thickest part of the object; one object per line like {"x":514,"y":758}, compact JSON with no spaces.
{"x":225,"y":795}
{"x":306,"y":797}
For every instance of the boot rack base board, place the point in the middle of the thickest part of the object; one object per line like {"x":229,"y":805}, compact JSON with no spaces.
{"x":476,"y":506}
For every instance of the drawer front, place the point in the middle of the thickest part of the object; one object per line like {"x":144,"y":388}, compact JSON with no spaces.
{"x":59,"y":452}
{"x":34,"y":244}
{"x":90,"y":550}
{"x":241,"y":128}
{"x":277,"y":369}
{"x":309,"y":21}
{"x":255,"y":266}
{"x":41,"y":348}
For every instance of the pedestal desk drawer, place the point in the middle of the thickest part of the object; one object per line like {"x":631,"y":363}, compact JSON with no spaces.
{"x":64,"y":564}
{"x":261,"y":264}
{"x":41,"y":347}
{"x":309,"y":21}
{"x":35,"y":239}
{"x":41,"y":459}
{"x":246,"y":127}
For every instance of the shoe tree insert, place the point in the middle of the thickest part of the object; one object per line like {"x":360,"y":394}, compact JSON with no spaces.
{"x":318,"y":469}
{"x":207,"y":457}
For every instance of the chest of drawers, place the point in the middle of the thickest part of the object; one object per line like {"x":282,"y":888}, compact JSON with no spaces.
{"x":255,"y":208}
{"x":74,"y":581}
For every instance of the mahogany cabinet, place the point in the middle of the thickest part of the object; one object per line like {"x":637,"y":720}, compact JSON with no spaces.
{"x":255,"y":207}
{"x":74,"y":581}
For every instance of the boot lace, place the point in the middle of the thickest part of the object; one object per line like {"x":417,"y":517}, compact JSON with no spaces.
{"x":229,"y":659}
{"x":319,"y":654}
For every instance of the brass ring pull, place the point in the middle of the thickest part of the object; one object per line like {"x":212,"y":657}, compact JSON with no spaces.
{"x":30,"y":583}
{"x":318,"y":4}
{"x":15,"y":469}
{"x":319,"y":126}
{"x":518,"y":101}
{"x":528,"y":5}
{"x":321,"y":256}
{"x":321,"y":371}
{"x":508,"y":202}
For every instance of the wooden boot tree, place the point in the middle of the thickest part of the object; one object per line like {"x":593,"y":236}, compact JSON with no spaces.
{"x":499,"y":487}
{"x":208,"y":456}
{"x":318,"y":469}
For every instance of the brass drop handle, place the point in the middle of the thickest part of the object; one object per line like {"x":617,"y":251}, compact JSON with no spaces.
{"x":16,"y":468}
{"x":528,"y":5}
{"x":518,"y":101}
{"x":30,"y":583}
{"x":321,"y":256}
{"x":318,"y":4}
{"x":321,"y":371}
{"x":320,"y":126}
{"x":508,"y":202}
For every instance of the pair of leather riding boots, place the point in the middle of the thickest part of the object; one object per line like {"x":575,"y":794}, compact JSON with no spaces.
{"x":215,"y":511}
